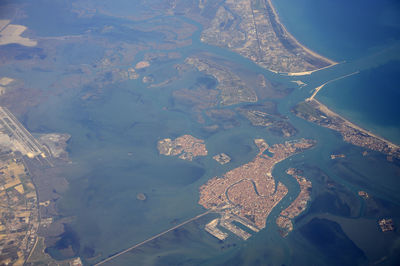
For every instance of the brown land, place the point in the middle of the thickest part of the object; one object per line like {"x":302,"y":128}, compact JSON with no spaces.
{"x":248,"y":194}
{"x":19,"y":216}
{"x":11,"y":33}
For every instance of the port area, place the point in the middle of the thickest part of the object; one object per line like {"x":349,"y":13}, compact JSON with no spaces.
{"x":314,"y":111}
{"x":248,"y":193}
{"x":299,"y":205}
{"x":186,"y":147}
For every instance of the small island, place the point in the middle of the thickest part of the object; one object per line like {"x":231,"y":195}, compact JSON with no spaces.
{"x":142,"y":64}
{"x":141,"y":196}
{"x":222,"y":158}
{"x":335,"y":156}
{"x":363,"y":194}
{"x":186,"y":147}
{"x":386,"y":225}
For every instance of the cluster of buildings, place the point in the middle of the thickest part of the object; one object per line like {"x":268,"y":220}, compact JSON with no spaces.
{"x":248,"y":194}
{"x":318,"y":113}
{"x":252,"y":29}
{"x":284,"y":221}
{"x":19,"y":216}
{"x":186,"y":147}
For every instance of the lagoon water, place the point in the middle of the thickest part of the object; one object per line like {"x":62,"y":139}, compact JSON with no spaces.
{"x":114,"y":156}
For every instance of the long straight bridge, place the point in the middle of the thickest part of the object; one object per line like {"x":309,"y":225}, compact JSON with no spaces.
{"x":152,"y":238}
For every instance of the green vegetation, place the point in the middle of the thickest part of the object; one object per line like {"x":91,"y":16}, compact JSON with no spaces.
{"x":304,"y":109}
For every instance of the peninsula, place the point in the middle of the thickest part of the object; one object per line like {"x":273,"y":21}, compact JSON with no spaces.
{"x":247,"y":194}
{"x":252,"y":29}
{"x":314,"y":111}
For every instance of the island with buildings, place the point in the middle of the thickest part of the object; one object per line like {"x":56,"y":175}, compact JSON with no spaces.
{"x":386,"y":224}
{"x":186,"y":147}
{"x":336,"y":156}
{"x":363,"y":194}
{"x":248,"y":193}
{"x":284,"y":221}
{"x":222,"y":158}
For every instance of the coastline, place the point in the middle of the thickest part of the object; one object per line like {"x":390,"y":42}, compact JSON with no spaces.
{"x":349,"y":122}
{"x":306,"y":49}
{"x":328,"y":111}
{"x":314,"y":111}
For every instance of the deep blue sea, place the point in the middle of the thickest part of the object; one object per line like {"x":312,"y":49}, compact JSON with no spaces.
{"x":365,"y":35}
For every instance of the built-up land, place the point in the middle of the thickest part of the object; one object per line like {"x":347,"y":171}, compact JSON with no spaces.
{"x":247,"y":194}
{"x":314,"y":111}
{"x":252,"y":29}
{"x":284,"y":221}
{"x":20,"y":217}
{"x":186,"y":147}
